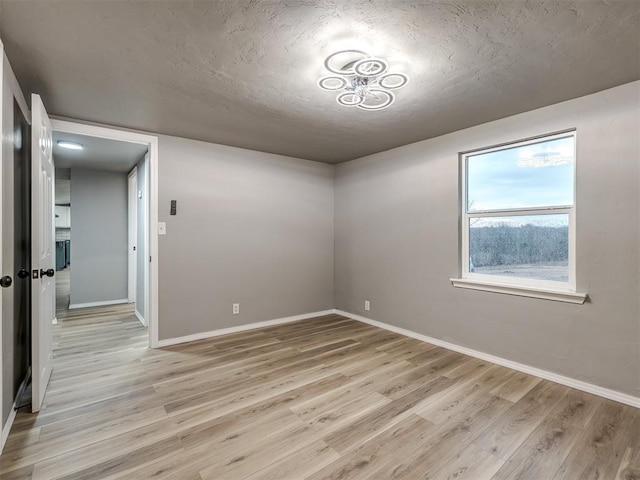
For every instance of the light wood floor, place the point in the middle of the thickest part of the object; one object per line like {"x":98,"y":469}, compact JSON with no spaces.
{"x":328,"y":398}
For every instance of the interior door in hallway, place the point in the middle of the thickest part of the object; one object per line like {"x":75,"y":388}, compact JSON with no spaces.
{"x":133,"y":233}
{"x":43,"y":249}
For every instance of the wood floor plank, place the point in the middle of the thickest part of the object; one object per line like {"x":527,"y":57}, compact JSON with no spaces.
{"x":347,"y":413}
{"x":601,"y":447}
{"x":516,"y":387}
{"x":122,"y":464}
{"x":252,"y":403}
{"x":629,"y":465}
{"x":469,"y":463}
{"x":510,"y":430}
{"x":386,"y":416}
{"x":542,"y":452}
{"x":302,"y":463}
{"x":257,"y":455}
{"x":25,"y":473}
{"x":324,"y":398}
{"x":58,"y":455}
{"x":363,"y":460}
{"x":448,"y":403}
{"x":439,"y":449}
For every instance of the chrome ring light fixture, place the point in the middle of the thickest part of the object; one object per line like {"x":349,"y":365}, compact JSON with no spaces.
{"x":362,"y":81}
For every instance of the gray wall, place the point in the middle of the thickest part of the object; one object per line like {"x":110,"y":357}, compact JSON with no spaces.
{"x":99,"y":232}
{"x":396,"y":245}
{"x":252,"y":228}
{"x":141,"y":247}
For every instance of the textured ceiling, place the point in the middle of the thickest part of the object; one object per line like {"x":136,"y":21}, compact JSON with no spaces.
{"x":98,"y":153}
{"x":243,"y":73}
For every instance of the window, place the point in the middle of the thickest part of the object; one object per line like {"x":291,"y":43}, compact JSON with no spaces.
{"x":518,"y":214}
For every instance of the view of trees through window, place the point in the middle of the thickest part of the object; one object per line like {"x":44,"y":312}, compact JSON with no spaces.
{"x":523,"y":247}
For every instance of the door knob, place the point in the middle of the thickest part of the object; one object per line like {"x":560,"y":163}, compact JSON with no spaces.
{"x":6,"y":281}
{"x":47,"y":273}
{"x":23,"y":273}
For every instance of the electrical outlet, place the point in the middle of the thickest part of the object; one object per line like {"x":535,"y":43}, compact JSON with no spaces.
{"x":367,"y":305}
{"x":236,"y":308}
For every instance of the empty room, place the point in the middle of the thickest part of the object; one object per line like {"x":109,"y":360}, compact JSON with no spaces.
{"x":325,"y":240}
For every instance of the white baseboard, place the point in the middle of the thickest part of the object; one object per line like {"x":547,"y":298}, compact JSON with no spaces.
{"x":7,"y":427}
{"x":241,"y":328}
{"x":73,"y":306}
{"x":536,"y":372}
{"x":140,"y":317}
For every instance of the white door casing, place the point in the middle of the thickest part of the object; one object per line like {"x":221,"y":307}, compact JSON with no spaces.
{"x":145,"y":234}
{"x":42,"y":250}
{"x":2,"y":436}
{"x":151,"y":222}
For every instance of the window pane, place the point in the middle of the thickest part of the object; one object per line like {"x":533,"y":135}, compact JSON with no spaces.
{"x":534,"y":175}
{"x":532,"y":246}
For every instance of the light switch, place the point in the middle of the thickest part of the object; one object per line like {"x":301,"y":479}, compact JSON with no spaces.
{"x":162,"y":228}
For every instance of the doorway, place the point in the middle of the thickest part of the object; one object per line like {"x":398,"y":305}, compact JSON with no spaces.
{"x":135,"y":263}
{"x":100,"y":220}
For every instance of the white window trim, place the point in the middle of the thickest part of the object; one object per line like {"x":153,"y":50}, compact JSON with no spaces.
{"x":521,"y":291}
{"x":550,"y":290}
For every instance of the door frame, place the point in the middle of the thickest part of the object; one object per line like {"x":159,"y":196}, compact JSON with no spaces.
{"x":151,"y":278}
{"x":3,"y":438}
{"x":8,"y":80}
{"x":132,"y":226}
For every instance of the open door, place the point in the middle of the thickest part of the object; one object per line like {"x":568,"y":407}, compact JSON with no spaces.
{"x":43,"y":299}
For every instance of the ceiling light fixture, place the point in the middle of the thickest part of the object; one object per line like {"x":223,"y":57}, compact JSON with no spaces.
{"x":362,"y":81}
{"x":70,"y":145}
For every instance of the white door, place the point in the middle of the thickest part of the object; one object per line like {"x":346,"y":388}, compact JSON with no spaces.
{"x":133,"y":233}
{"x":43,"y":298}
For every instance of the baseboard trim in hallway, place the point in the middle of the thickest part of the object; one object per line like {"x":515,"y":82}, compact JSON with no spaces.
{"x":521,"y":367}
{"x":241,"y":328}
{"x":106,"y":303}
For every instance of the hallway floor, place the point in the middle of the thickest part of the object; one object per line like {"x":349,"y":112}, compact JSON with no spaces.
{"x":63,"y":289}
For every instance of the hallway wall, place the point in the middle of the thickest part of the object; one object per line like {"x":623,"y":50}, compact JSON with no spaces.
{"x":99,"y":232}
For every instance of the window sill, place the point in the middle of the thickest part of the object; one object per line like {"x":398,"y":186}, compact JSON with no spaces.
{"x":533,"y":292}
